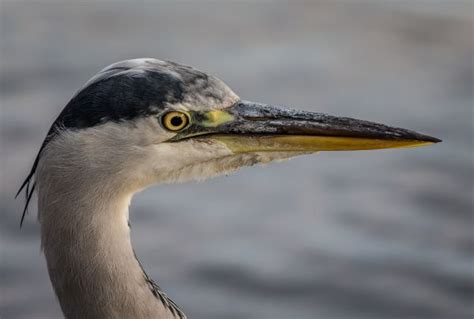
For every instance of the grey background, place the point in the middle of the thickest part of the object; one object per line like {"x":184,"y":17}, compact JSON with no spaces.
{"x":386,"y":234}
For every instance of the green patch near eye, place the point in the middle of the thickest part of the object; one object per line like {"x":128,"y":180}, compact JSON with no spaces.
{"x":217,"y":117}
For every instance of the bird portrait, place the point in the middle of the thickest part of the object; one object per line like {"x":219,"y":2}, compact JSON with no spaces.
{"x":143,"y":122}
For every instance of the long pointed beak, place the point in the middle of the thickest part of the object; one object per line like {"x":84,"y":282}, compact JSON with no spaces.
{"x":254,"y":127}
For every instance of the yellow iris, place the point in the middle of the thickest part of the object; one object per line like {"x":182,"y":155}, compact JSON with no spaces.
{"x":175,"y":121}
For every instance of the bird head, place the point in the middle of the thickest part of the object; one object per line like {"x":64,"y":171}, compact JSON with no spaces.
{"x":144,"y":121}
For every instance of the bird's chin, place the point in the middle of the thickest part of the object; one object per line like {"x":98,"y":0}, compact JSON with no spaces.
{"x":200,"y":158}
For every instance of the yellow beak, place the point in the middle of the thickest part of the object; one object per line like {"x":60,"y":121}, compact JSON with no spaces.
{"x":304,"y":143}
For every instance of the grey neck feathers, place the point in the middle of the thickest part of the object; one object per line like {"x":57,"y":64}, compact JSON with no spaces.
{"x":86,"y":241}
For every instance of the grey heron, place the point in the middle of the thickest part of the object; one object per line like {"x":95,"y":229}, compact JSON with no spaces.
{"x":142,"y":122}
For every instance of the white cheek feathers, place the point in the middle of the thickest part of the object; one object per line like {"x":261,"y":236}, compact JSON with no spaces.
{"x":133,"y":156}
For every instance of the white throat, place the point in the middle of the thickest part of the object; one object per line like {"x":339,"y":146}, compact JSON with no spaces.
{"x":86,"y":240}
{"x":85,"y":181}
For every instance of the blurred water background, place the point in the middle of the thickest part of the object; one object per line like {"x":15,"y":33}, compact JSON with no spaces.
{"x":386,"y":234}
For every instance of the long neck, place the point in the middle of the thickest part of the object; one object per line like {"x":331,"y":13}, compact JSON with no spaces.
{"x":91,"y":263}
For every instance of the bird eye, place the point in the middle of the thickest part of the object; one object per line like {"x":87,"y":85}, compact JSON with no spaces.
{"x":175,"y":121}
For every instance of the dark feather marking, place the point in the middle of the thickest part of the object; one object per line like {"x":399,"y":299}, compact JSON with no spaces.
{"x":29,"y":184}
{"x":121,"y":92}
{"x":160,"y":294}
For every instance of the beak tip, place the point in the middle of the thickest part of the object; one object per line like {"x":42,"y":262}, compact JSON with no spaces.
{"x":430,"y":139}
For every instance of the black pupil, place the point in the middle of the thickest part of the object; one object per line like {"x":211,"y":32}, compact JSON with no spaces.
{"x":176,"y":121}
